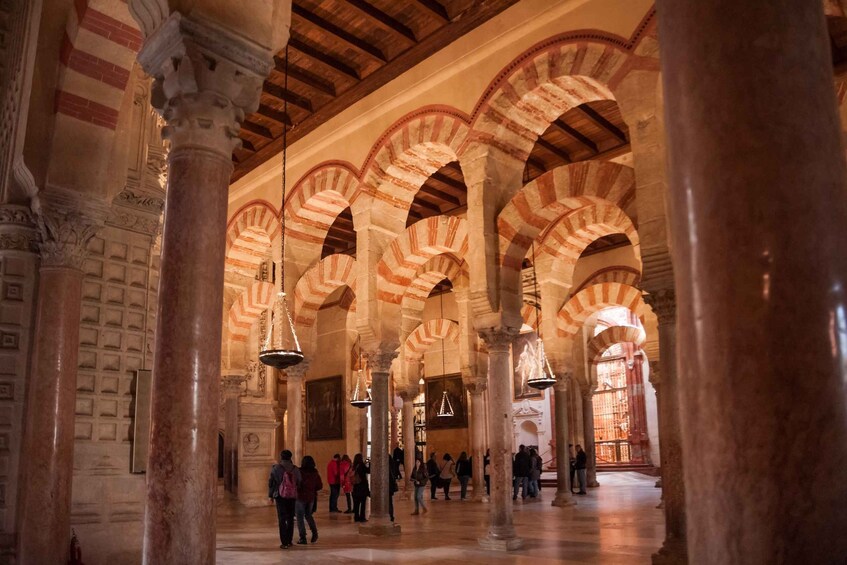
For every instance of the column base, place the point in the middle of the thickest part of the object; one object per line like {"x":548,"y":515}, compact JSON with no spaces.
{"x":593,"y":484}
{"x":379,"y":529}
{"x":498,"y":544}
{"x":484,"y":498}
{"x":673,"y":552}
{"x":563,"y":499}
{"x":659,"y":483}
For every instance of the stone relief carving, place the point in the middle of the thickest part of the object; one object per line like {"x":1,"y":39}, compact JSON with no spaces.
{"x":67,"y":221}
{"x":251,"y":443}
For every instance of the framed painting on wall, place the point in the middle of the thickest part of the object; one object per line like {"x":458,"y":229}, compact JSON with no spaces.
{"x":435,"y":388}
{"x":523,"y":351}
{"x":325,"y":408}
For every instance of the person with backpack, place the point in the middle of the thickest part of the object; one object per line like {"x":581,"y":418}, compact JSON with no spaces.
{"x":534,"y":476}
{"x":361,"y":490}
{"x":464,"y":470}
{"x":419,"y":478}
{"x":307,"y":493}
{"x":282,"y":488}
{"x":433,"y":471}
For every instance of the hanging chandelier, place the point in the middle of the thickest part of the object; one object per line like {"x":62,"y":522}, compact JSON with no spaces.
{"x":285,"y":350}
{"x":540,"y":374}
{"x":361,"y":397}
{"x":445,"y":410}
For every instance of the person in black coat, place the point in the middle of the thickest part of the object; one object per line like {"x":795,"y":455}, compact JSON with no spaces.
{"x":520,"y":471}
{"x":433,"y":471}
{"x":580,"y":465}
{"x":361,"y":490}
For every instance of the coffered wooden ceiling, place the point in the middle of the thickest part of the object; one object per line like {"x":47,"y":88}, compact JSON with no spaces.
{"x":342,"y":50}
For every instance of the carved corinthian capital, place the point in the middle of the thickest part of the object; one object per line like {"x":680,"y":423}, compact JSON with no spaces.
{"x":498,"y":339}
{"x":663,"y":303}
{"x":67,"y":220}
{"x":381,"y":358}
{"x":206,"y":79}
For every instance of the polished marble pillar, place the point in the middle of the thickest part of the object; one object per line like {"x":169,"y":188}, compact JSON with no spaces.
{"x":476,"y":387}
{"x":408,"y":396}
{"x":205,"y":80}
{"x":588,"y":432}
{"x":379,"y":522}
{"x":501,"y":530}
{"x":67,"y":222}
{"x":231,"y":387}
{"x":758,"y":201}
{"x":674,"y":549}
{"x":296,"y":377}
{"x":564,"y":496}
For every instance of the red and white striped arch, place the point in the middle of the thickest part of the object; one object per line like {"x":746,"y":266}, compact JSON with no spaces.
{"x":321,"y":280}
{"x":418,"y":244}
{"x":592,"y":299}
{"x":428,"y":333}
{"x":252,"y":236}
{"x":411,"y":150}
{"x":620,"y":274}
{"x":573,"y":232}
{"x":248,"y":306}
{"x":317,"y":199}
{"x":554,"y":194}
{"x":598,"y":344}
{"x":427,"y":276}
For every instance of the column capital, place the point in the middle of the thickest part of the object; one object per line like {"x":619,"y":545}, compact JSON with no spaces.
{"x":18,"y":230}
{"x":206,"y":79}
{"x":498,"y":339}
{"x":380,"y":359}
{"x":563,"y":381}
{"x":232,"y":385}
{"x":67,"y":220}
{"x":408,"y":393}
{"x":655,"y":376}
{"x":297,"y":371}
{"x":663,"y":304}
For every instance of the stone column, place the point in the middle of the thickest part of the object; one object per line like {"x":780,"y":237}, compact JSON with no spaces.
{"x":67,"y":222}
{"x":758,"y":193}
{"x":379,"y":523}
{"x":588,"y":432}
{"x":673,"y":549}
{"x":296,"y":376}
{"x":564,"y":497}
{"x":501,"y":531}
{"x":476,"y":387}
{"x":205,"y":80}
{"x":231,"y":387}
{"x":408,"y":395}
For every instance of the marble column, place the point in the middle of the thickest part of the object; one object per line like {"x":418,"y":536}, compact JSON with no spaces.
{"x":476,"y":387}
{"x":758,"y":195}
{"x":67,"y":222}
{"x":673,"y":549}
{"x":408,"y":396}
{"x":295,"y":376}
{"x":501,"y":530}
{"x":379,"y":523}
{"x":588,"y":432}
{"x":564,"y":496}
{"x":205,"y":80}
{"x":231,"y":387}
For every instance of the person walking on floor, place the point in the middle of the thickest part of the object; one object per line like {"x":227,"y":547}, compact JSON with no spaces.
{"x":433,"y":470}
{"x":486,"y":471}
{"x":572,"y":460}
{"x":446,"y":474}
{"x":398,"y":455}
{"x":419,"y":478}
{"x":307,"y":493}
{"x":346,"y":467}
{"x":392,"y":486}
{"x":464,"y":471}
{"x":282,"y":488}
{"x":361,"y":490}
{"x":520,"y":471}
{"x":333,"y":477}
{"x":534,"y":473}
{"x":580,"y":465}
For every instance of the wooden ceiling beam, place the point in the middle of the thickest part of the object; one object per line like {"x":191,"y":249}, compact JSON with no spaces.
{"x":604,"y":124}
{"x":389,"y":22}
{"x":257,"y":129}
{"x":576,"y":135}
{"x":451,"y":182}
{"x":439,"y":195}
{"x":427,"y":205}
{"x":435,"y":8}
{"x":275,"y":115}
{"x":326,"y":26}
{"x":557,"y":151}
{"x":324,"y":58}
{"x":536,"y":164}
{"x":278,"y":92}
{"x":305,"y":77}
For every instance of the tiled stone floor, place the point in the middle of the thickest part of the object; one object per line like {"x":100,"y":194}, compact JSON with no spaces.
{"x":616,"y":524}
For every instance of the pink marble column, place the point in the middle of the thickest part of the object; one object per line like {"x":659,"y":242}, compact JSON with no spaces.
{"x":203,"y":96}
{"x":564,"y":496}
{"x":588,"y":433}
{"x":66,"y":224}
{"x":408,"y":396}
{"x":673,"y":549}
{"x":379,"y":522}
{"x":231,"y":387}
{"x":476,"y":387}
{"x":758,"y":201}
{"x":501,"y":530}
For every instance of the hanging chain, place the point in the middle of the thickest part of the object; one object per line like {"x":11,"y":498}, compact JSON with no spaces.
{"x":535,"y":295}
{"x":284,"y":159}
